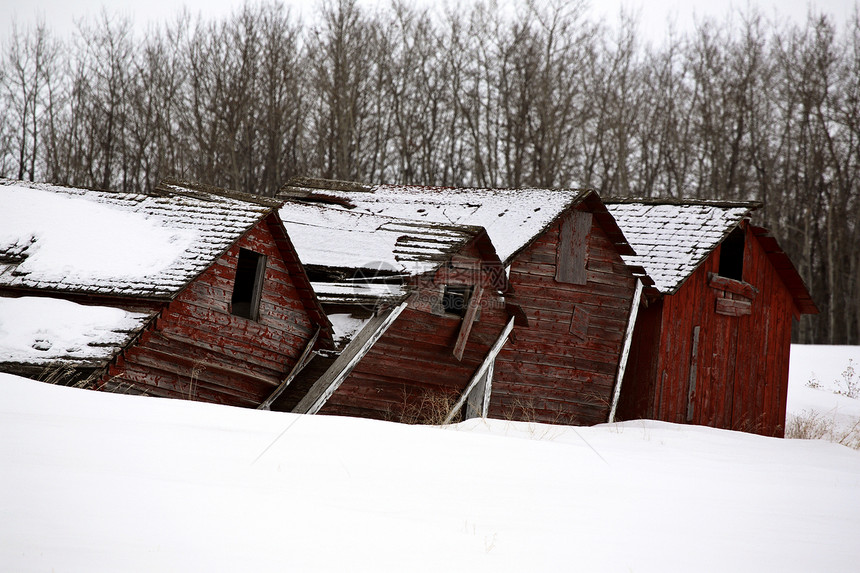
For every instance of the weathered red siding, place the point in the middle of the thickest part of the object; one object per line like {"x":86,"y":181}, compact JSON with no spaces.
{"x":562,"y":367}
{"x":198,"y":350}
{"x":741,"y":362}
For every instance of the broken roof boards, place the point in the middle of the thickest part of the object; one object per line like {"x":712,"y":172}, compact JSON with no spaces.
{"x":390,"y":286}
{"x":356,"y":241}
{"x":176,"y":252}
{"x":712,"y":346}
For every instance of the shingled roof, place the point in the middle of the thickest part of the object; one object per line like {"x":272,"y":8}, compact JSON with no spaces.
{"x":672,"y":238}
{"x":513,"y":218}
{"x":120,"y":244}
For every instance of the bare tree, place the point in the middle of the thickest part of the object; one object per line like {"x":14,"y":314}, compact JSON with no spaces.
{"x":533,"y":95}
{"x":28,"y":67}
{"x":341,"y":53}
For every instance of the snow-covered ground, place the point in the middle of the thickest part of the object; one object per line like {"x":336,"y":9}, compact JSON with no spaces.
{"x":824,"y":386}
{"x":102,"y":482}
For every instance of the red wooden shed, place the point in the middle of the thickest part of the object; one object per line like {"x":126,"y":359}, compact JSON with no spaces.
{"x":577,"y":293}
{"x":563,"y":253}
{"x":214,"y":303}
{"x":713,"y":334}
{"x":418,"y":310}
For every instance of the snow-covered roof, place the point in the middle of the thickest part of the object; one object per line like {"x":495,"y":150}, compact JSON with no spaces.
{"x":512,"y":217}
{"x":45,"y":331}
{"x":370,"y":244}
{"x":108,"y":243}
{"x":672,"y":239}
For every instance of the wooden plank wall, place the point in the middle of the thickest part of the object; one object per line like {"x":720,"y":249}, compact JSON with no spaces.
{"x":199,"y":351}
{"x":411,"y":374}
{"x":741,"y":364}
{"x":561,"y":368}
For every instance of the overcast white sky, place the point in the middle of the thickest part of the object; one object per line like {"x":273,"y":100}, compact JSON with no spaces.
{"x":654,"y":14}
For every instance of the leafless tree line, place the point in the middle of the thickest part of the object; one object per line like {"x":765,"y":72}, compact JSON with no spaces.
{"x":537,"y":95}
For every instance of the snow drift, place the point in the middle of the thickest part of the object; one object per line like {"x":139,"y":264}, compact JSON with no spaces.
{"x":103,"y":482}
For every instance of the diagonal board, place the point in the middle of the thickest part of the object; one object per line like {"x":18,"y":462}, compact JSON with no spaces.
{"x":329,"y":382}
{"x":478,"y":403}
{"x":625,"y":349}
{"x":468,"y":321}
{"x":482,"y":370}
{"x":303,"y":360}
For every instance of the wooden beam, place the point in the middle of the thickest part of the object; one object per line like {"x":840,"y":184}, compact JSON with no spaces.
{"x":486,"y":365}
{"x":478,"y":402}
{"x":329,"y":382}
{"x":691,"y":392}
{"x":488,"y":389}
{"x":468,"y":321}
{"x":625,"y":350}
{"x":475,"y":399}
{"x":303,"y":360}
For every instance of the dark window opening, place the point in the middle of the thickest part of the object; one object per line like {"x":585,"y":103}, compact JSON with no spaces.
{"x":249,"y":284}
{"x":455,"y":299}
{"x":732,"y":256}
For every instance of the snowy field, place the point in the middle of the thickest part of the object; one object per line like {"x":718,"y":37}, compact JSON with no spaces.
{"x":102,"y":482}
{"x":824,"y":387}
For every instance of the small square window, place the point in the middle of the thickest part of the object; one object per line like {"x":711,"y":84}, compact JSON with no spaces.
{"x":455,"y":299}
{"x":248,"y":288}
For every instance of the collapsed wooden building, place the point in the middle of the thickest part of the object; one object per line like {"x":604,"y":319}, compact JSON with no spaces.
{"x":418,"y":311}
{"x":567,"y":283}
{"x":712,"y":338}
{"x":185,"y":292}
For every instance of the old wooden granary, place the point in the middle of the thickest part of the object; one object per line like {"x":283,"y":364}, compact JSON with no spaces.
{"x":573,"y":291}
{"x":712,"y":338}
{"x":418,"y":310}
{"x":192,"y":292}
